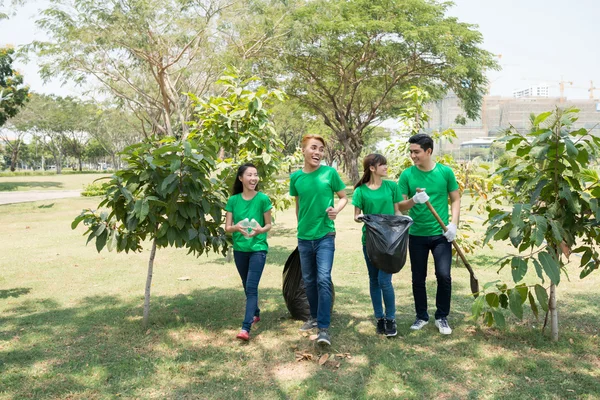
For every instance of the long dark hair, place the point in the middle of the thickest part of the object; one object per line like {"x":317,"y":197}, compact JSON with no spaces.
{"x":237,"y":184}
{"x":372,"y":160}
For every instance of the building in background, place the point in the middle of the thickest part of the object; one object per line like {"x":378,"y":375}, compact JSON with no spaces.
{"x":498,"y":113}
{"x":532,"y":91}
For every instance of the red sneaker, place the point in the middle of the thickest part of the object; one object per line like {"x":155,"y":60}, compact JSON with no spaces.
{"x":243,"y":335}
{"x":255,"y":320}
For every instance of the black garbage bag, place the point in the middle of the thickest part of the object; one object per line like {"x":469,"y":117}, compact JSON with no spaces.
{"x":294,"y":293}
{"x":387,"y":240}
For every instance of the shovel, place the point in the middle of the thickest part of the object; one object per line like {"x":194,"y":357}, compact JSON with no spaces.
{"x":474,"y":280}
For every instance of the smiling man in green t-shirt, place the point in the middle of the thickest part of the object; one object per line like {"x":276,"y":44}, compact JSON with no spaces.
{"x":437,"y":183}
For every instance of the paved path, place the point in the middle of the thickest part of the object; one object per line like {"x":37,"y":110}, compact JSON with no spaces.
{"x":36,"y":195}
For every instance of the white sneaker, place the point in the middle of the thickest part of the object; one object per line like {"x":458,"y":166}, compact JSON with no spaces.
{"x":443,"y":327}
{"x":418,"y":324}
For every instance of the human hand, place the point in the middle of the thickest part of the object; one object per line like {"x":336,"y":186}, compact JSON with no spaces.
{"x":331,"y":213}
{"x":359,"y":217}
{"x":420,"y":197}
{"x":450,"y":234}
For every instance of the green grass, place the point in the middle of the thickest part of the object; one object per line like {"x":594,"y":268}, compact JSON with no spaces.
{"x":10,"y":183}
{"x":70,"y":327}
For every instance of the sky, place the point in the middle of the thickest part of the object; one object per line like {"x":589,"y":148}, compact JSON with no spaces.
{"x":540,"y":42}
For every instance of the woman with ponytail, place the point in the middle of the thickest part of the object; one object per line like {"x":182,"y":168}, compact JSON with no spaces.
{"x":249,"y":219}
{"x":374,"y":195}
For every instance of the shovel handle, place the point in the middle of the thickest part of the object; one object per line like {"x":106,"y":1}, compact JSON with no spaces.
{"x":445,"y":228}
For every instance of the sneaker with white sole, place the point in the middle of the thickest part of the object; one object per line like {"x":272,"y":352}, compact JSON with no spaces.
{"x":323,"y":337}
{"x":390,"y":328}
{"x":381,"y":326}
{"x":418,"y":324}
{"x":443,"y":327}
{"x":309,"y":325}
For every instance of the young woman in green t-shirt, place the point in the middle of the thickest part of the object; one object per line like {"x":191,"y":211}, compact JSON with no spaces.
{"x":374,"y":195}
{"x":249,"y":219}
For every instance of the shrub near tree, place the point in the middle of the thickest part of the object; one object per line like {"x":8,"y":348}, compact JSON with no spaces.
{"x":554,"y":212}
{"x":173,"y":191}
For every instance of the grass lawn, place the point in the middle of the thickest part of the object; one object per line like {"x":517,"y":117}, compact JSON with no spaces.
{"x":70,"y":327}
{"x":47,"y":182}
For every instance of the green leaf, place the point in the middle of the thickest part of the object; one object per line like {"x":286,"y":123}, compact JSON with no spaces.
{"x":539,"y":230}
{"x":516,"y":214}
{"x":100,"y":229}
{"x":519,"y":268}
{"x":101,"y":241}
{"x":550,"y":266}
{"x":588,"y":269}
{"x":515,"y":304}
{"x":492,"y":299}
{"x":266,"y":158}
{"x":571,"y":149}
{"x":488,"y":318}
{"x":542,"y":297}
{"x":489,"y":284}
{"x":168,"y":180}
{"x":503,"y":300}
{"x":499,"y":319}
{"x":523,"y":290}
{"x":533,"y":305}
{"x":541,"y":118}
{"x":477,"y":307}
{"x":77,"y":220}
{"x":516,"y":236}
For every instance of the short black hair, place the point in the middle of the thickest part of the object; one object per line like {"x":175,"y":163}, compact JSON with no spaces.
{"x":423,"y":140}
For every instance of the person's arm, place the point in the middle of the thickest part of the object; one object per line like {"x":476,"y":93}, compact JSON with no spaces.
{"x":263,"y":229}
{"x":229,"y":227}
{"x":455,"y":206}
{"x":357,"y":213}
{"x":332,"y":212}
{"x":404,"y":205}
{"x":297,"y":207}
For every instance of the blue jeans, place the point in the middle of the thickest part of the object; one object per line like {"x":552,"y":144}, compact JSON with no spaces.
{"x":380,"y":284}
{"x":250,"y":266}
{"x":441,"y":249}
{"x":316,"y":260}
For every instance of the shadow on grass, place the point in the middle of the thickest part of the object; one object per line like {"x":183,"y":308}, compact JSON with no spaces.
{"x":12,"y":186}
{"x":98,"y":349}
{"x":16,"y":292}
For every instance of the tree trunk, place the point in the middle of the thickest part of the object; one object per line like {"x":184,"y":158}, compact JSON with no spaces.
{"x":351,"y":162}
{"x":15,"y":156}
{"x":553,"y":313}
{"x":80,"y":163}
{"x":149,"y":284}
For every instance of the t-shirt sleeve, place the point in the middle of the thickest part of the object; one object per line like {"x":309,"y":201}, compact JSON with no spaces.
{"x":230,"y":204}
{"x":267,"y":205}
{"x":293,"y":190}
{"x":357,"y":200}
{"x":451,"y":181}
{"x":336,"y":182}
{"x":403,"y":183}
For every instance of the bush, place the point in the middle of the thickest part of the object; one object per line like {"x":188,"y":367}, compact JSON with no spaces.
{"x":95,"y":189}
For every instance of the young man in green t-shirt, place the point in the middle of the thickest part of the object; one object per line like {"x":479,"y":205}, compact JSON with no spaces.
{"x":438,"y":184}
{"x":313,"y":187}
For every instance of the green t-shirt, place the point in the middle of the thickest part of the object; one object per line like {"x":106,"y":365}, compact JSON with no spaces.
{"x":437,"y":183}
{"x":251,"y":209}
{"x":315,"y":195}
{"x":378,"y":201}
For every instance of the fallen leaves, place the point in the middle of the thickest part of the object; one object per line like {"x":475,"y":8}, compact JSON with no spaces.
{"x":327,"y":359}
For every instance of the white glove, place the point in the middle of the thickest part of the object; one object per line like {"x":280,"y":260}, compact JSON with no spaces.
{"x":420,"y":198}
{"x":450,"y":234}
{"x":359,"y":217}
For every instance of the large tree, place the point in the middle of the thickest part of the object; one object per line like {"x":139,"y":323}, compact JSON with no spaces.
{"x":350,"y":61}
{"x":146,"y":53}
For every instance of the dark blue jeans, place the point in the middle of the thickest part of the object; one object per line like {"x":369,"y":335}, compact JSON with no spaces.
{"x":316,"y":260}
{"x":380,"y":285}
{"x":250,"y":266}
{"x":419,"y":248}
